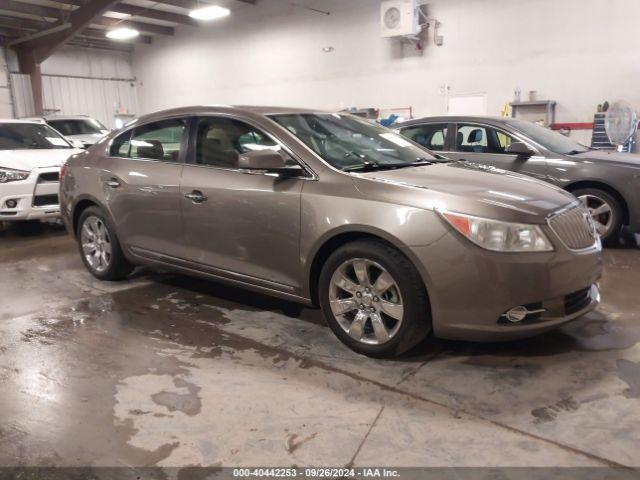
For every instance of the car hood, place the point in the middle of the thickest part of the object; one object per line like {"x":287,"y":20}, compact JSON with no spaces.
{"x":468,"y":188}
{"x":38,"y":158}
{"x":87,"y":138}
{"x":609,"y":156}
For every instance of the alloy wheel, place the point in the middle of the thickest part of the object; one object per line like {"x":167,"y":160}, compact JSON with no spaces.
{"x":601,"y":212}
{"x":366,"y":301}
{"x":96,"y":243}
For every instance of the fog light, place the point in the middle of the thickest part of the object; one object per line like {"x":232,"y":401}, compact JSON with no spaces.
{"x":517,"y":314}
{"x":520,"y":313}
{"x":11,"y":203}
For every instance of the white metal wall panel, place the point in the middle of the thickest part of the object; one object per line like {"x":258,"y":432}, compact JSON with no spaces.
{"x":98,"y":98}
{"x":22,"y":96}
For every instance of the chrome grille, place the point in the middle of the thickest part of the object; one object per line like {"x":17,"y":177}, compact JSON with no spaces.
{"x":574,"y":227}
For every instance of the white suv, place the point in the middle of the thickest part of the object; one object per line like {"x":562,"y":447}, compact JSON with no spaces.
{"x":79,"y":128}
{"x":31,"y":154}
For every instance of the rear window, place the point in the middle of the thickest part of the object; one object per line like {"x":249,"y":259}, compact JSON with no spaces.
{"x":85,"y":126}
{"x":161,"y":141}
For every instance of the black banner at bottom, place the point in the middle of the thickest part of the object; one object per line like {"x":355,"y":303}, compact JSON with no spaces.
{"x":309,"y":473}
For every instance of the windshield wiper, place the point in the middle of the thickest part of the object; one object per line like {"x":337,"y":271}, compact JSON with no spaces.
{"x":366,"y":166}
{"x":370,"y":166}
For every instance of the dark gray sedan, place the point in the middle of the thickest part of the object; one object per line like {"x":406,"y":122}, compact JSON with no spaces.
{"x":607,"y":182}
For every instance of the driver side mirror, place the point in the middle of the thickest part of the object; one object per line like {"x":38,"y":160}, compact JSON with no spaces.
{"x":77,"y":144}
{"x":267,"y":161}
{"x":520,"y":149}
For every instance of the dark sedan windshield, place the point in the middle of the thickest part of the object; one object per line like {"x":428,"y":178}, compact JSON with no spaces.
{"x":348,"y":142}
{"x":549,"y":139}
{"x":24,"y":136}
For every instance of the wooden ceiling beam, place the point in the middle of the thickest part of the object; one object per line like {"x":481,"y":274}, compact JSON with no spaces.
{"x":142,"y":27}
{"x":145,"y":12}
{"x":191,"y":4}
{"x":12,"y":6}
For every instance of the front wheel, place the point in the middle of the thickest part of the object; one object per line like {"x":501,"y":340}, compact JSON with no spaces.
{"x":99,"y":247}
{"x":605,"y":210}
{"x":373,"y":299}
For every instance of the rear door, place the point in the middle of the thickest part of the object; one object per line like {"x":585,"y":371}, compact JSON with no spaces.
{"x":141,"y":183}
{"x":240,"y":224}
{"x":486,"y":145}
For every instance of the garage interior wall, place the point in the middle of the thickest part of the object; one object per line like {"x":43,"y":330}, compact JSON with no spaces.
{"x":6,"y":105}
{"x":79,"y":81}
{"x":575,"y":52}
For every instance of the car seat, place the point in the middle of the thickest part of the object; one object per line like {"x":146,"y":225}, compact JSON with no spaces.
{"x":151,"y":149}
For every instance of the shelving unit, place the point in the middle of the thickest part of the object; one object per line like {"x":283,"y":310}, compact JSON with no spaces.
{"x":549,"y":106}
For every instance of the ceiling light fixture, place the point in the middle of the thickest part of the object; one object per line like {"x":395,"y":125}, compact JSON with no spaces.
{"x":122,"y":33}
{"x":210,"y":12}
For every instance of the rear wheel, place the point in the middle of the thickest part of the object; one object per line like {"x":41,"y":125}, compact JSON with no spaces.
{"x":373,"y":299}
{"x":99,"y":247}
{"x":605,"y":210}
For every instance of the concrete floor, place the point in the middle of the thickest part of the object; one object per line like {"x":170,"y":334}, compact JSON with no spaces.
{"x":170,"y":371}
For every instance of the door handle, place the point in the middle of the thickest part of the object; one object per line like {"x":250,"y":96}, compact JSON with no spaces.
{"x":196,"y":196}
{"x":113,"y":183}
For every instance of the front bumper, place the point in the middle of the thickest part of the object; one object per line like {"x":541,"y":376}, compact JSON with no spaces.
{"x":36,"y":196}
{"x":470,"y":288}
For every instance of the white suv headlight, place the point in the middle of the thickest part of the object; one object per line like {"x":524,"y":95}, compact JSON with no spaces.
{"x":10,"y":175}
{"x":499,"y":236}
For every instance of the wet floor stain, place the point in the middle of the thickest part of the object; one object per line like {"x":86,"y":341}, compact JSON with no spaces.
{"x":188,"y":403}
{"x":294,"y":441}
{"x":550,"y":413}
{"x":132,"y":376}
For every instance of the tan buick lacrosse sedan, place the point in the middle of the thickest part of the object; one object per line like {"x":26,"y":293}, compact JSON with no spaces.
{"x":328,"y":209}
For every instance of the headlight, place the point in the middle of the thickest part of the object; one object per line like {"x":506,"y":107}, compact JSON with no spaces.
{"x":8,"y":175}
{"x":499,"y":236}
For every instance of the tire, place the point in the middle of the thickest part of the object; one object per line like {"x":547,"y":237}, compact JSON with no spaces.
{"x":110,"y":265}
{"x":339,"y":286}
{"x":609,"y":222}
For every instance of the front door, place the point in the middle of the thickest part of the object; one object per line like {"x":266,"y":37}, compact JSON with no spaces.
{"x":487,"y":145}
{"x":242,"y":225}
{"x":141,"y":180}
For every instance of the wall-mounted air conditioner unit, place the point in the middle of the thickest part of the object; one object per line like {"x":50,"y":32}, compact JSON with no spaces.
{"x":399,"y":18}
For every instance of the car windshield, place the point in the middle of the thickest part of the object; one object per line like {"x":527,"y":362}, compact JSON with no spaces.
{"x":549,"y":139}
{"x":84,"y":126}
{"x":350,"y":143}
{"x":24,"y":136}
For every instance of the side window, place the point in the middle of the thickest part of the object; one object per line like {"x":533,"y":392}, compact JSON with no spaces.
{"x":159,"y":141}
{"x":471,"y":138}
{"x":220,"y":140}
{"x":120,"y":145}
{"x":481,"y":139}
{"x":501,"y":140}
{"x":431,"y":136}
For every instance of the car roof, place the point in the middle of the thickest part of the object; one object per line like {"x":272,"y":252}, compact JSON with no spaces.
{"x":20,"y":120}
{"x":455,"y":119}
{"x":66,"y":117}
{"x":212,"y":109}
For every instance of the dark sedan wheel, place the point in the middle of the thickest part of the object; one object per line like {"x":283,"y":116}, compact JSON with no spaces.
{"x":373,"y":299}
{"x":605,"y":210}
{"x":99,"y":246}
